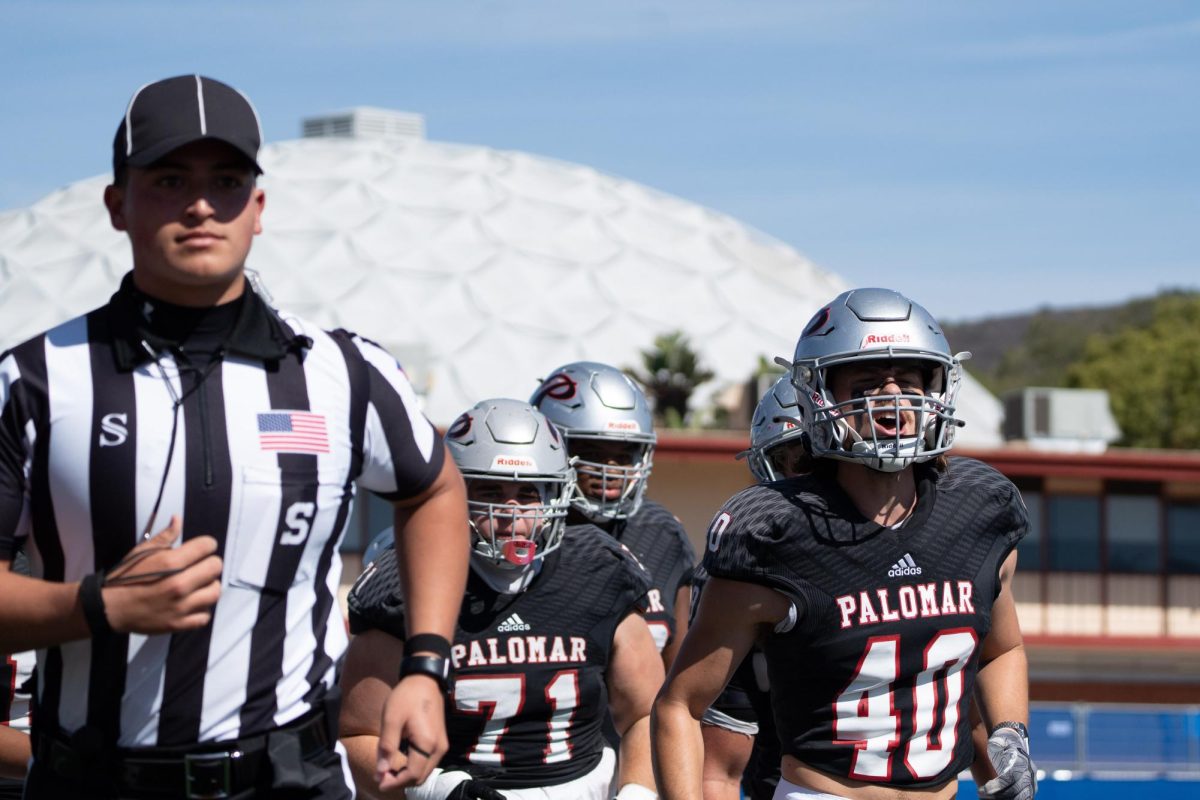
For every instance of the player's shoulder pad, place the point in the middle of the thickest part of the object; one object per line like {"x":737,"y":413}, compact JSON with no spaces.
{"x":375,"y":600}
{"x":764,"y":500}
{"x":592,"y":545}
{"x":971,"y":474}
{"x":966,"y":471}
{"x":660,"y":518}
{"x":749,"y":524}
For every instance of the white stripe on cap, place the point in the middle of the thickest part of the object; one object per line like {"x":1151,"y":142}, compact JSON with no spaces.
{"x":129,"y":122}
{"x":200,"y":101}
{"x":253,"y":110}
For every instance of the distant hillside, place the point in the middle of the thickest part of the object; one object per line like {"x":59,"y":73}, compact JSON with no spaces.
{"x":1035,"y":349}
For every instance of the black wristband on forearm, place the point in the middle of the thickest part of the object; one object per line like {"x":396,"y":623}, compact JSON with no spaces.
{"x":427,"y":643}
{"x":435,"y":667}
{"x":93,"y":604}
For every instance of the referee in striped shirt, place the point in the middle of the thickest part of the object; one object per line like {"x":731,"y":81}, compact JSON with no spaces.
{"x":180,"y":465}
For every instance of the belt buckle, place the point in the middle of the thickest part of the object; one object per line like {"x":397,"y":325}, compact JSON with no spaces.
{"x":209,"y":776}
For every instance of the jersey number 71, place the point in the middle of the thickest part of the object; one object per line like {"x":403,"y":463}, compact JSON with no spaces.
{"x":501,"y":697}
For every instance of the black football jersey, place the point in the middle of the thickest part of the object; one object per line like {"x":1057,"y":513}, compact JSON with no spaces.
{"x":874,"y":680}
{"x":529,"y":690}
{"x":660,"y":542}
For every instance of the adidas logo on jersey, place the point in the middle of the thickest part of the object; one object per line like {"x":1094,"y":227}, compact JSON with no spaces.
{"x":905,"y":566}
{"x":513,"y":623}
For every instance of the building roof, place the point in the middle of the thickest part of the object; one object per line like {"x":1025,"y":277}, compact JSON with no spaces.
{"x":481,"y":269}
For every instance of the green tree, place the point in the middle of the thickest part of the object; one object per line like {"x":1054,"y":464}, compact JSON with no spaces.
{"x":1152,"y":374}
{"x":671,"y":371}
{"x":1049,"y":345}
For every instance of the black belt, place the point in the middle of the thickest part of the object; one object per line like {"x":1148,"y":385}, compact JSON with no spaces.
{"x":204,"y":771}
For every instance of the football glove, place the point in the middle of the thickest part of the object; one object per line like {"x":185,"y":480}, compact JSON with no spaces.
{"x":474,"y":789}
{"x":1016,"y":774}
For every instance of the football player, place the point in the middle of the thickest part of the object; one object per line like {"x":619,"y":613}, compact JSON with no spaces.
{"x":880,"y":581}
{"x":550,"y":638}
{"x":610,"y":435}
{"x":741,"y":752}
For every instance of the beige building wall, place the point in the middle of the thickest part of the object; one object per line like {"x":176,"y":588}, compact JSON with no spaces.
{"x":695,"y":488}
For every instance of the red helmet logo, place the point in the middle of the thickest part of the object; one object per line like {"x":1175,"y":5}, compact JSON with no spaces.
{"x":819,"y":320}
{"x":460,"y":427}
{"x":559,"y":386}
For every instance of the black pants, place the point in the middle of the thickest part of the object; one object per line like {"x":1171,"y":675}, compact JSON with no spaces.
{"x":10,"y":789}
{"x":43,"y":784}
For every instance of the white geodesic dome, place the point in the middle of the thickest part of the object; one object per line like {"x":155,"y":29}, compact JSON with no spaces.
{"x":480,"y":269}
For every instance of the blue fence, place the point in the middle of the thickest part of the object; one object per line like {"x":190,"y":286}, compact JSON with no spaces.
{"x":1086,"y":739}
{"x":1090,"y":789}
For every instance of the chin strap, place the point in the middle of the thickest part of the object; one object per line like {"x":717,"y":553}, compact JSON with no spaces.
{"x":893,"y":462}
{"x":503,"y":578}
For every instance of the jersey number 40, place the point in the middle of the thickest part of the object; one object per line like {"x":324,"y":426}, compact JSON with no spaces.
{"x":866,"y":716}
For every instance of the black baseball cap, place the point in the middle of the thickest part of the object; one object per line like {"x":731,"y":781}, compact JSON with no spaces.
{"x":167,"y":114}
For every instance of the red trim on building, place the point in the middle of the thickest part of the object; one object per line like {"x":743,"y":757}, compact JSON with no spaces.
{"x":1141,"y":643}
{"x":708,"y":447}
{"x":1088,"y":691}
{"x":1131,"y":465}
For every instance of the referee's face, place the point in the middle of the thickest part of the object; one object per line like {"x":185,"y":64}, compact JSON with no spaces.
{"x":190,"y":218}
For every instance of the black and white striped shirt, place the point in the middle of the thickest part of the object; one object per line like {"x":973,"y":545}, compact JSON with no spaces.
{"x":271,"y":440}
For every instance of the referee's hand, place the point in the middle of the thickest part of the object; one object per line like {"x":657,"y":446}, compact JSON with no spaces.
{"x":412,"y":736}
{"x":158,"y":588}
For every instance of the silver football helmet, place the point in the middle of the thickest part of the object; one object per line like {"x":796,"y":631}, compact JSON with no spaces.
{"x":590,"y":403}
{"x":873,"y":324}
{"x":776,"y":422}
{"x":509,"y":442}
{"x":384,"y":540}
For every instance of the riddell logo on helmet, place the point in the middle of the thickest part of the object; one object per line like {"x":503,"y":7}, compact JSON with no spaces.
{"x":519,"y":462}
{"x":622,"y":425}
{"x":885,"y":338}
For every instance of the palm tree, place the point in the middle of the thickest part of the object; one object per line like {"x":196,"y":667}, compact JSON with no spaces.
{"x":672,"y":371}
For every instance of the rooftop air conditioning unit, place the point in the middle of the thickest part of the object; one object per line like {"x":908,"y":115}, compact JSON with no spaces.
{"x":365,"y":122}
{"x":1065,"y":420}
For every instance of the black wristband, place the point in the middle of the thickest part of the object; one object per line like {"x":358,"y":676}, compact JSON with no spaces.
{"x":427,"y":643}
{"x":93,"y":604}
{"x":1019,"y":727}
{"x":435,"y":667}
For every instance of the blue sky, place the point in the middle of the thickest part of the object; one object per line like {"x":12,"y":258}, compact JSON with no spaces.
{"x":982,"y":158}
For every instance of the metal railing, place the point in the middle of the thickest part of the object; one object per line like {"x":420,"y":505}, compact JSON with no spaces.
{"x":1097,"y":739}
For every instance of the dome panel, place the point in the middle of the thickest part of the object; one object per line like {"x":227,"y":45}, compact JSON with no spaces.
{"x":549,"y":229}
{"x":394,"y":232}
{"x":416,"y":185}
{"x":543,"y":298}
{"x":540,"y":177}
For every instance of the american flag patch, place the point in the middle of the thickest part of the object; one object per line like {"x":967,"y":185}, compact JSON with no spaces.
{"x":293,"y":432}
